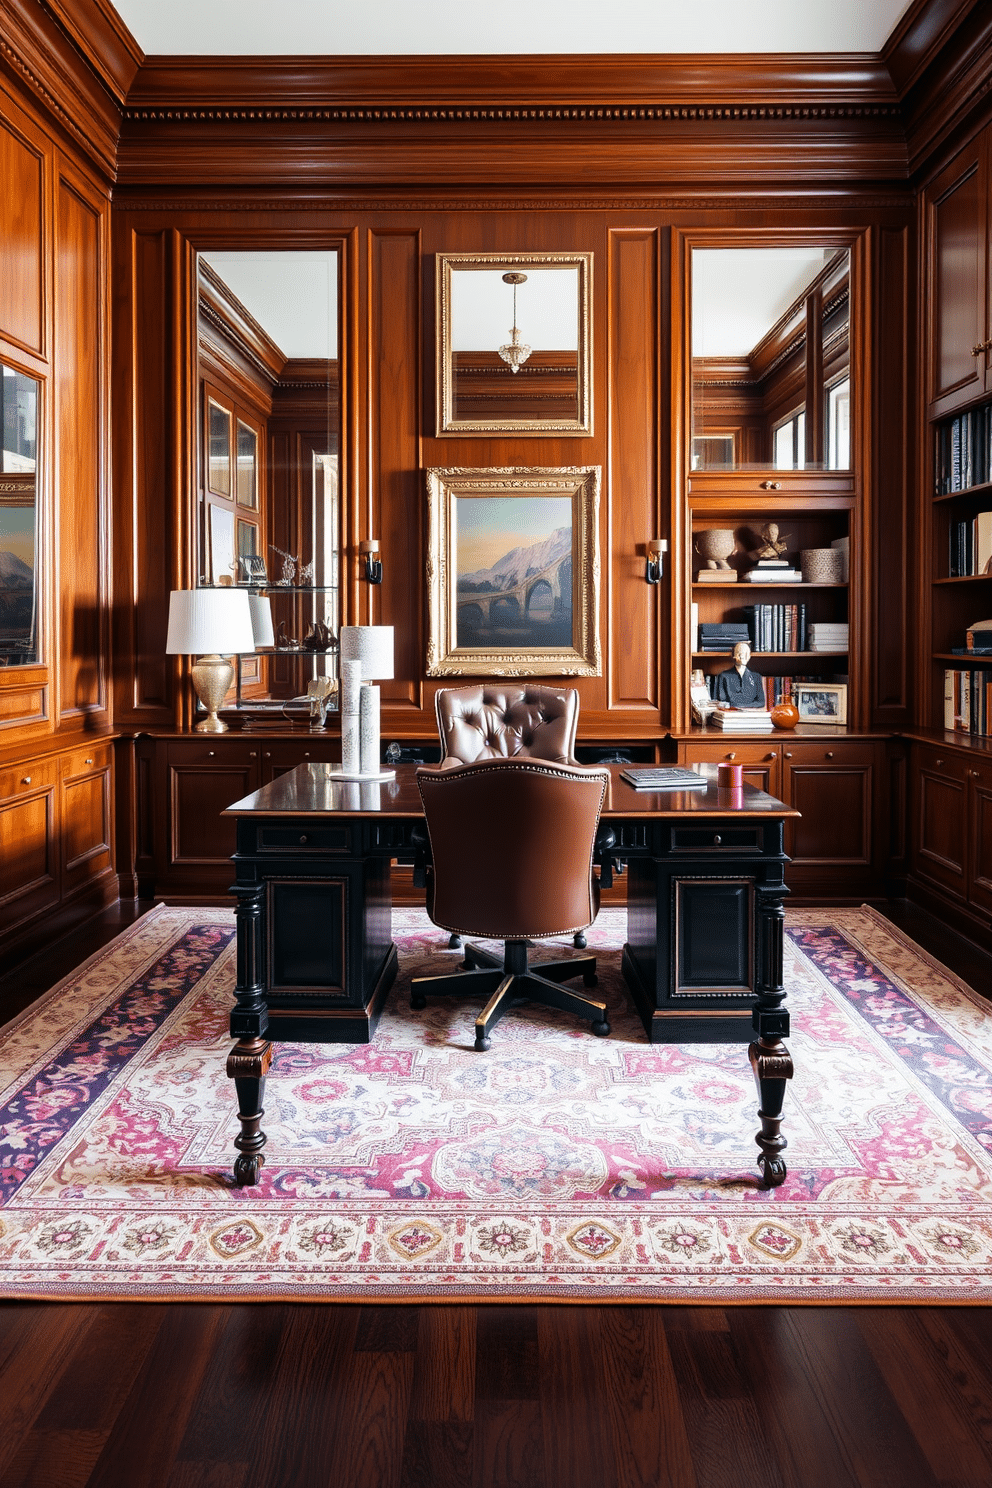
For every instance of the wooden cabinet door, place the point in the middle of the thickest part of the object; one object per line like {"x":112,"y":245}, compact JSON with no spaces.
{"x":941,"y":820}
{"x":280,"y":755}
{"x":204,"y":778}
{"x":760,"y":760}
{"x":87,"y":814}
{"x":833,"y":785}
{"x":980,"y":847}
{"x":957,"y":248}
{"x":29,"y":880}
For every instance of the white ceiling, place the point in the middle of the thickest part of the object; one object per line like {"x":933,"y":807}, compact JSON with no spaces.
{"x":293,"y":296}
{"x":446,"y":27}
{"x":739,"y":293}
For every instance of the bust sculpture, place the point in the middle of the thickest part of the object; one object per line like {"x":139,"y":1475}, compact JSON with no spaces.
{"x":771,"y":546}
{"x":738,"y":687}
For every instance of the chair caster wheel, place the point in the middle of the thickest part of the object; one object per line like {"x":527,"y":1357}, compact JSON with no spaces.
{"x":579,"y":941}
{"x":773,"y":1171}
{"x":481,"y":1045}
{"x":417,"y":1003}
{"x":590,"y":979}
{"x":601,"y":1029}
{"x":454,"y":943}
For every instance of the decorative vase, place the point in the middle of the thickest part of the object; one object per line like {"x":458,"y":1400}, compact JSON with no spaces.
{"x":785,"y":715}
{"x":715,"y":545}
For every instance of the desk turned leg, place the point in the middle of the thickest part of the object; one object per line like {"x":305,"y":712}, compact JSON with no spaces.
{"x":247,"y":1065}
{"x":770,"y":1059}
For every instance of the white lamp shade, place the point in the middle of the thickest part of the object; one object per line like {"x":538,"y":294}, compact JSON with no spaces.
{"x":372,"y":645}
{"x":261,"y":620}
{"x":205,"y":621}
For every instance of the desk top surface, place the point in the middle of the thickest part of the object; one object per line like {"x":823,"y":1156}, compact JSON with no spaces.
{"x":310,"y":791}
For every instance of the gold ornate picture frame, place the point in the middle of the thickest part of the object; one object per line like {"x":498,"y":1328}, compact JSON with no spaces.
{"x":513,"y":572}
{"x":490,"y":379}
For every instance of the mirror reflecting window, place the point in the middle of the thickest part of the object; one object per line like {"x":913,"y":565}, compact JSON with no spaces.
{"x":269,"y":390}
{"x":771,"y":363}
{"x":18,"y":519}
{"x":513,"y":343}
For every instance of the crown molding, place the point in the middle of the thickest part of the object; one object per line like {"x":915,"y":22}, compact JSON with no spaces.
{"x":918,"y":38}
{"x":952,"y":98}
{"x":459,"y":86}
{"x":104,"y":40}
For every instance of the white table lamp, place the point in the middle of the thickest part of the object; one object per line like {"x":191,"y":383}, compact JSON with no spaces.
{"x":366,"y":653}
{"x":211,"y":624}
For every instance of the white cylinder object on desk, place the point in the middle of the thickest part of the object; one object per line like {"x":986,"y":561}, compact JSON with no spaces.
{"x":351,"y":688}
{"x":369,"y":728}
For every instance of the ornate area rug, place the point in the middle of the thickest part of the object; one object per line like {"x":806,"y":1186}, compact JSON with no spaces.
{"x":558,"y":1165}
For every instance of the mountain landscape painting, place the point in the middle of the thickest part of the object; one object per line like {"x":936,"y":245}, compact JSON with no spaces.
{"x":16,"y":584}
{"x":513,"y":567}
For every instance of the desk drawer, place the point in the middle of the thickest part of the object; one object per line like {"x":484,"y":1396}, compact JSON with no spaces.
{"x":716,"y":839}
{"x":306,"y":839}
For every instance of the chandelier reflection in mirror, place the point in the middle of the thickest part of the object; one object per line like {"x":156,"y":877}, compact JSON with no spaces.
{"x":515,"y":352}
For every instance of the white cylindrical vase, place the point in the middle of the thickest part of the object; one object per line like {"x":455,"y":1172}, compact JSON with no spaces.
{"x":369,"y":728}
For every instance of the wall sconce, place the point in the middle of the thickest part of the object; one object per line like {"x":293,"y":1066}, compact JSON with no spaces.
{"x":655,"y":564}
{"x":373,"y":565}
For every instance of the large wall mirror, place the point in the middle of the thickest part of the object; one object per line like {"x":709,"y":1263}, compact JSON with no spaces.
{"x":18,"y":519}
{"x":771,"y":358}
{"x":268,"y":360}
{"x":513,"y":343}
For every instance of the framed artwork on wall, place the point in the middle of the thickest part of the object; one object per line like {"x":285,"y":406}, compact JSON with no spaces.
{"x":513,"y":572}
{"x":514,"y":343}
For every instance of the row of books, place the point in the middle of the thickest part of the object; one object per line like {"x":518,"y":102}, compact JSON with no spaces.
{"x":777,"y":627}
{"x":964,"y":451}
{"x":968,"y":701}
{"x":971,"y":546}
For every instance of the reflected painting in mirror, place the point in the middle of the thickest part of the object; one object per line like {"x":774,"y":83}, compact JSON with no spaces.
{"x":771,"y":358}
{"x":267,"y":346}
{"x":513,"y":336}
{"x":18,"y":519}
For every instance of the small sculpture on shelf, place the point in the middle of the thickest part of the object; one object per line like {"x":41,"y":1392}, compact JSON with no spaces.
{"x":305,"y":580}
{"x":715,"y":545}
{"x":289,"y":567}
{"x":319,"y":637}
{"x":285,"y":642}
{"x":738,"y":686}
{"x":771,"y":548}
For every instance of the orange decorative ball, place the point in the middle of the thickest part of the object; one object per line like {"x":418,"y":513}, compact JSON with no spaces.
{"x":785,"y":715}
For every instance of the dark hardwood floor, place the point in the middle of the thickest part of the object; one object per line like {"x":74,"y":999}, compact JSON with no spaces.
{"x":279,"y":1395}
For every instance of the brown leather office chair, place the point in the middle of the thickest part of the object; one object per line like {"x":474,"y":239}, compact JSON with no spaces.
{"x":511,"y":847}
{"x":507,"y":721}
{"x":497,"y":721}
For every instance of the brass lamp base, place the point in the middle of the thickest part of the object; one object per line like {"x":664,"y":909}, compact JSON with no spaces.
{"x":212,"y":677}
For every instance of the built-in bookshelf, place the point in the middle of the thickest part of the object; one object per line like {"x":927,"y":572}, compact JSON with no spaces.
{"x":799,"y":627}
{"x":961,"y":570}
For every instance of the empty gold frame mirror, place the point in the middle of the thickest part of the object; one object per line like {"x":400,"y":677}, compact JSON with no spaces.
{"x":513,"y":352}
{"x":771,"y":358}
{"x":18,"y":519}
{"x":268,"y":364}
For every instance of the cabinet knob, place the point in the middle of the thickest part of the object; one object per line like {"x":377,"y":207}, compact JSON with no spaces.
{"x":788,"y":754}
{"x":717,"y":839}
{"x":304,"y":839}
{"x":211,"y":753}
{"x":253,"y":754}
{"x":982,"y":346}
{"x":25,"y":779}
{"x":268,"y":754}
{"x":975,"y":774}
{"x":87,"y":762}
{"x":770,"y":756}
{"x":306,"y":754}
{"x":830,"y":754}
{"x":939,"y":763}
{"x":732,"y":754}
{"x":771,"y":485}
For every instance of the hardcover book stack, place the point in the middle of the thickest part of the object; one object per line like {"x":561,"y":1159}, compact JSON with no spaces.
{"x":772,"y":571}
{"x":742,"y":720}
{"x":826,"y":636}
{"x":722,"y":635}
{"x":775,"y":627}
{"x":964,"y":451}
{"x":968,"y":694}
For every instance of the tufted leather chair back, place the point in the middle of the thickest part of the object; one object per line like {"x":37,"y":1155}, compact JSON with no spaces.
{"x":512,"y":847}
{"x":505,"y":722}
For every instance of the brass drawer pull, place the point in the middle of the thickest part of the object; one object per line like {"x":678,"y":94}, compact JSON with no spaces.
{"x":788,"y":754}
{"x":717,"y":839}
{"x":830,"y":754}
{"x":25,"y":779}
{"x":304,"y":839}
{"x":87,"y":762}
{"x":771,"y":485}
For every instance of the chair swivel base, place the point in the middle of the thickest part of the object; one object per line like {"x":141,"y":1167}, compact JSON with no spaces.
{"x":511,"y":981}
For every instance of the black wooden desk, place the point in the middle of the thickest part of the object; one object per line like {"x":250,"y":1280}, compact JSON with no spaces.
{"x":703,"y":958}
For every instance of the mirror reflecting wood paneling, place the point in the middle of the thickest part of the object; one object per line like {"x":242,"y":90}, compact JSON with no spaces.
{"x":18,"y":519}
{"x":771,"y":358}
{"x":269,"y":451}
{"x":513,"y":353}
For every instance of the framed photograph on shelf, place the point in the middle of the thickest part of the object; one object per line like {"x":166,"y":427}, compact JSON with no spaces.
{"x":820,"y":702}
{"x":252,"y":567}
{"x":513,"y":572}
